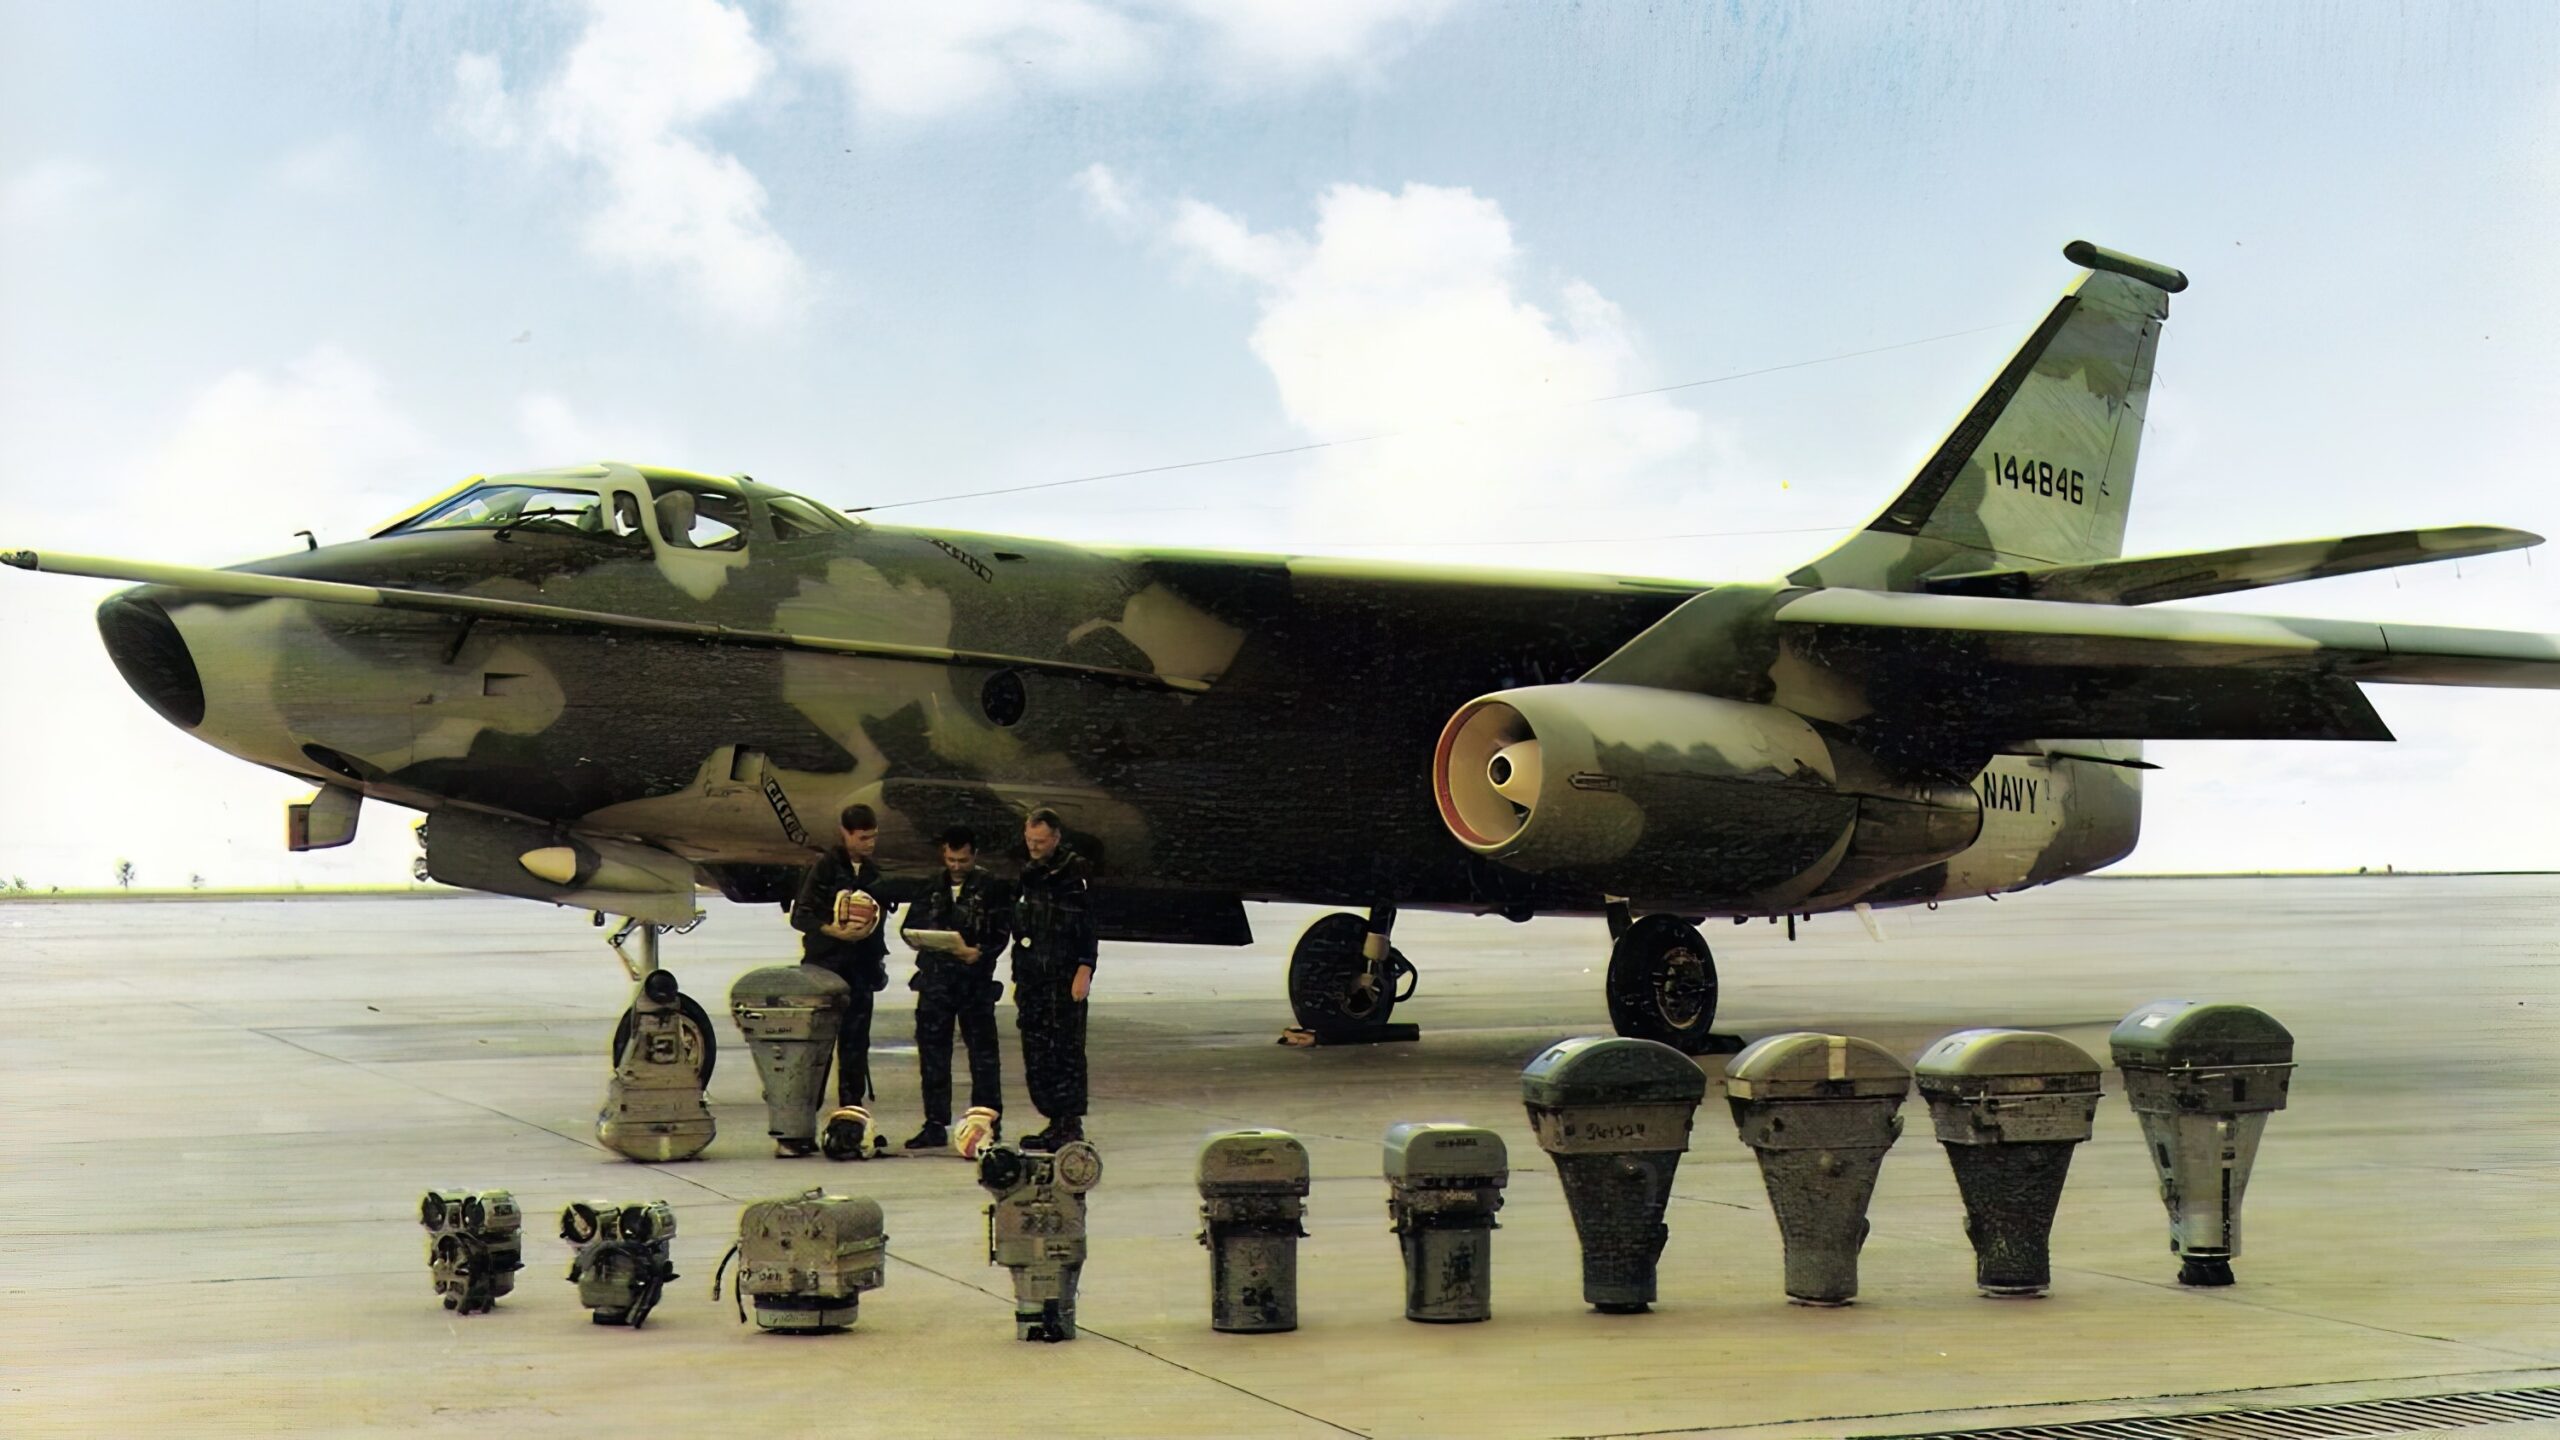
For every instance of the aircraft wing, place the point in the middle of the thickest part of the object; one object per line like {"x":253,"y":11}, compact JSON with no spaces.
{"x":251,"y":585}
{"x":2194,"y":574}
{"x":2016,"y":669}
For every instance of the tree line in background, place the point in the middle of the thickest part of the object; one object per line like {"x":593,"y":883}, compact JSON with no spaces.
{"x":125,"y":874}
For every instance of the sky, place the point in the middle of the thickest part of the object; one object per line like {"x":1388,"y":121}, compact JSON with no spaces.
{"x":283,"y":266}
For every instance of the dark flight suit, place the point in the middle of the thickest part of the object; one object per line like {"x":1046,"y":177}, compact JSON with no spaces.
{"x":950,"y":990}
{"x":1052,"y":936}
{"x":862,"y":964}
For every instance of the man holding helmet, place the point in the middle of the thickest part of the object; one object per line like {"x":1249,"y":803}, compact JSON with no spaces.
{"x":839,"y":915}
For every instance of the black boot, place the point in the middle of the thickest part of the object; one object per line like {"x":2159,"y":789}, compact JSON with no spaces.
{"x":931,"y":1137}
{"x":1043,"y":1139}
{"x":1065,"y":1130}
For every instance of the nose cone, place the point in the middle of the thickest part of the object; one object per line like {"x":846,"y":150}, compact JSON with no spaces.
{"x":148,"y":652}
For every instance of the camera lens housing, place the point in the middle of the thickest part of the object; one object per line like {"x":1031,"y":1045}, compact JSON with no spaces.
{"x":581,"y":1220}
{"x":1001,"y":1168}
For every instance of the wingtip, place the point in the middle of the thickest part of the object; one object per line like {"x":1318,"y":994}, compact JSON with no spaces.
{"x":2150,"y":272}
{"x":2492,"y":538}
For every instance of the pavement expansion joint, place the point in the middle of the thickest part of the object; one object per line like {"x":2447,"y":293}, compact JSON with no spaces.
{"x":2292,"y":1397}
{"x":2290,"y":1422}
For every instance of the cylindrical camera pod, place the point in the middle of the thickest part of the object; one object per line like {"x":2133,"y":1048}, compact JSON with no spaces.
{"x":475,"y":1246}
{"x":622,"y":1266}
{"x":1819,"y":1111}
{"x":2009,"y":1105}
{"x":2204,"y":1078}
{"x":1253,"y":1194}
{"x":805,"y":1261}
{"x":653,"y":1110}
{"x":1615,"y":1113}
{"x":1444,"y":1183}
{"x":789,"y":1015}
{"x":1036,"y":1229}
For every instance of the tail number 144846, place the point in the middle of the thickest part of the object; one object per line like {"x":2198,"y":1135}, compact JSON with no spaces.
{"x":2039,"y":477}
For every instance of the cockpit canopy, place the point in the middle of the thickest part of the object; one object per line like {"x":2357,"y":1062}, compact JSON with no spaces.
{"x":627,"y":505}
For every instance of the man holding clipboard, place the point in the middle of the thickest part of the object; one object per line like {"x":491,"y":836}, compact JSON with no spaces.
{"x":958,"y":929}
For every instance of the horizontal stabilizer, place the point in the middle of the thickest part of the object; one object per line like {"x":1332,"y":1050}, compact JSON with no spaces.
{"x":2191,"y":575}
{"x":1937,"y":667}
{"x":2042,"y":632}
{"x":249,"y":584}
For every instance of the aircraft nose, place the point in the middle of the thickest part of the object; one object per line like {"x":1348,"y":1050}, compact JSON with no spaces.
{"x":145,"y":645}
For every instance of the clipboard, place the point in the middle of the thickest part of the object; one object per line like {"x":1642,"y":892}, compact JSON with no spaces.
{"x":946,"y":940}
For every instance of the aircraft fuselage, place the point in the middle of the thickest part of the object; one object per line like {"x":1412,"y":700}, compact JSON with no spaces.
{"x":1301,"y":771}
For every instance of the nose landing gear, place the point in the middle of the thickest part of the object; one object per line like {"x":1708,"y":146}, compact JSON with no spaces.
{"x":640,"y":962}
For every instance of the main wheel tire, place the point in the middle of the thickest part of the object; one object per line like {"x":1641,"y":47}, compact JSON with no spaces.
{"x":693,"y":1012}
{"x":1325,"y":971}
{"x":1662,"y":984}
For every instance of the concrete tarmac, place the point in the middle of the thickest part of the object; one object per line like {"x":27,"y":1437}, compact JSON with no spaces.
{"x":220,"y":1116}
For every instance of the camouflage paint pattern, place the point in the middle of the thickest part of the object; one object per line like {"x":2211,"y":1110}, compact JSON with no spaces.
{"x":2195,"y":574}
{"x":1949,"y":703}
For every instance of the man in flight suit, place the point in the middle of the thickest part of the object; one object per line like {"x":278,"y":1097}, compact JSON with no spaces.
{"x":959,"y":986}
{"x":1053,"y":957}
{"x":856,"y":948}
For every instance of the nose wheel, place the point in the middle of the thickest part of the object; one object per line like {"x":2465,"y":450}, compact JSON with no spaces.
{"x":1662,"y":985}
{"x":1334,"y":990}
{"x":641,"y":962}
{"x":694,"y":1019}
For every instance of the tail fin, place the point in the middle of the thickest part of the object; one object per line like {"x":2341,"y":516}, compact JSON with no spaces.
{"x":2040,"y":470}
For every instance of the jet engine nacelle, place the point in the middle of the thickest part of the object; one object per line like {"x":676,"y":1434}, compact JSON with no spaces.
{"x":1651,"y":794}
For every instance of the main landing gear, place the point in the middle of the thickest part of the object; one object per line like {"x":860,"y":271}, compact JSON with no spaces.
{"x":1662,"y":982}
{"x":1345,"y":979}
{"x":640,"y":962}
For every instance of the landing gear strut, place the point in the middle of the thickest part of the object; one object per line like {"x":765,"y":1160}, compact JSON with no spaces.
{"x":1345,"y":979}
{"x":640,"y":962}
{"x":1662,"y":982}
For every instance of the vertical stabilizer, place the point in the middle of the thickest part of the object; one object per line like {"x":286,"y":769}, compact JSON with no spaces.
{"x":2040,"y":469}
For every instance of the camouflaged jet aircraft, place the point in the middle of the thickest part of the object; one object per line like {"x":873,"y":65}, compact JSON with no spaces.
{"x":608,"y":684}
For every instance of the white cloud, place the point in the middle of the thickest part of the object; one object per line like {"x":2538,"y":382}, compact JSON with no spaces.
{"x":623,"y":107}
{"x":925,"y":59}
{"x":54,"y":191}
{"x":922,"y":60}
{"x":1404,"y":317}
{"x":1228,"y":244}
{"x":480,"y":108}
{"x":260,"y":453}
{"x":1105,"y":193}
{"x":1305,"y":35}
{"x":229,"y":474}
